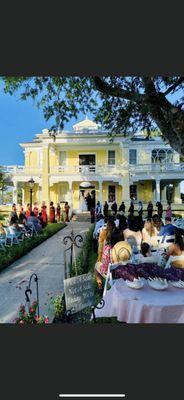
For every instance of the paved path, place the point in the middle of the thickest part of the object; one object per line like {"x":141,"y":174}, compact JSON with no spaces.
{"x":47,"y":261}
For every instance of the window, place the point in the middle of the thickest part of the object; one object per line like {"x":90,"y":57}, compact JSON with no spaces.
{"x":133,"y":192}
{"x":111,"y":157}
{"x":111,"y":193}
{"x":62,"y":158}
{"x":132,"y":156}
{"x":162,"y":155}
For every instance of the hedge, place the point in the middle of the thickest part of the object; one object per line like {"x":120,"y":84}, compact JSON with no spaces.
{"x":17,"y":251}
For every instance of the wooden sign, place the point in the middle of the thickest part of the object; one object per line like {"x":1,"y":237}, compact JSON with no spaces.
{"x":79,"y":292}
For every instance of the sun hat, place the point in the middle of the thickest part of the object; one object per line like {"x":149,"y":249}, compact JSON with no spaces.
{"x":121,"y":252}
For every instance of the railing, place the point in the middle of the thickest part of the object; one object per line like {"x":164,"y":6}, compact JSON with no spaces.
{"x":21,"y":170}
{"x":86,"y":169}
{"x":154,"y":167}
{"x":96,"y":169}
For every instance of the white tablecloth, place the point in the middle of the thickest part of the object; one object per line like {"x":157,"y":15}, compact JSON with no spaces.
{"x":144,"y":305}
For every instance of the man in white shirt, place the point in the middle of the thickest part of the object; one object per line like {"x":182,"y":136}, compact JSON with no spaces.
{"x":98,"y":225}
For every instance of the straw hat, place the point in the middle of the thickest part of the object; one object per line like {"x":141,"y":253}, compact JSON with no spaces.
{"x":121,"y":252}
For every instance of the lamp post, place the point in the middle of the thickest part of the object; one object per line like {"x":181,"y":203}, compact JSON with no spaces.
{"x":31,"y":185}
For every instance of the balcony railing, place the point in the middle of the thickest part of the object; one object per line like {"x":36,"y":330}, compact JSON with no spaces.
{"x":154,"y":167}
{"x":104,"y":169}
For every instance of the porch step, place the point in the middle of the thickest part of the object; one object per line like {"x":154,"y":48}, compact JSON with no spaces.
{"x":82,"y":217}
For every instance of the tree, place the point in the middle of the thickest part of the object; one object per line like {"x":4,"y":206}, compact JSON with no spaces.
{"x":121,"y":104}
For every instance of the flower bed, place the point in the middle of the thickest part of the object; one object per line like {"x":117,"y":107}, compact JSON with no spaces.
{"x":17,"y":251}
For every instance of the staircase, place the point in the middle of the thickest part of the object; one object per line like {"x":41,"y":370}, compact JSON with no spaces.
{"x":82,"y":217}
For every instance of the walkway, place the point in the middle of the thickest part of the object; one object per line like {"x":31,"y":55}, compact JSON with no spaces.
{"x":47,"y":261}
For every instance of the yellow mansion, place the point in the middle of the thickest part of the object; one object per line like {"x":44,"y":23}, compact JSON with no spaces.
{"x":85,"y":159}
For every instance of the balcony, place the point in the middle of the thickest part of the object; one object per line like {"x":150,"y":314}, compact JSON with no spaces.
{"x":13,"y":170}
{"x":156,"y":167}
{"x":86,"y":169}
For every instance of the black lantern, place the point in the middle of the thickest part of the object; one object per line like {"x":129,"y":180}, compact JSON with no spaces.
{"x":31,"y":185}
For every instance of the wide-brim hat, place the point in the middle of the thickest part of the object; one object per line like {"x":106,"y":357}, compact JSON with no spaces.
{"x":118,"y":253}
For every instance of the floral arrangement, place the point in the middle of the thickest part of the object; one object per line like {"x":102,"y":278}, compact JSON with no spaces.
{"x":31,"y":316}
{"x":145,"y":270}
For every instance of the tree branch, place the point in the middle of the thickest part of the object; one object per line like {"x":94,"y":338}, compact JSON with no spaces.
{"x":174,"y":86}
{"x":116,"y":91}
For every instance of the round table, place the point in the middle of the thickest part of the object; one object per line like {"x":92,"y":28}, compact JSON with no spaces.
{"x":144,"y":305}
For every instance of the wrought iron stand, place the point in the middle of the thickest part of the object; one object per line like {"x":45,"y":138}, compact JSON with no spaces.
{"x":28,"y":290}
{"x":76,"y":241}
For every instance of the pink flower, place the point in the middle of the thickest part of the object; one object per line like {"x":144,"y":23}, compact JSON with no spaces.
{"x":46,"y":320}
{"x":21,"y":322}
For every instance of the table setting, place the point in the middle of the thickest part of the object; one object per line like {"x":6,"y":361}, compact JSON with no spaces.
{"x":145,"y":293}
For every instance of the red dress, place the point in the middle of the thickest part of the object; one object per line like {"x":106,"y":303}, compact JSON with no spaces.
{"x":52,"y":214}
{"x":28,"y":213}
{"x":44,"y":214}
{"x":58,"y":213}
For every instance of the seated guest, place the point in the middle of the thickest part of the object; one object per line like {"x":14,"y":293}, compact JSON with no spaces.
{"x":145,"y":256}
{"x":168,"y":229}
{"x":145,"y":249}
{"x":98,"y":225}
{"x":176,"y":249}
{"x":22,"y":217}
{"x":122,"y":222}
{"x":133,"y":234}
{"x":121,"y":252}
{"x":113,"y":237}
{"x":40,"y":218}
{"x":35,"y":221}
{"x":149,"y":233}
{"x":104,"y":234}
{"x":157,"y":222}
{"x":14,"y":212}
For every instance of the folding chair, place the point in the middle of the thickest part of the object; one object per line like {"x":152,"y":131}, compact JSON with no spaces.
{"x":173,"y":258}
{"x":10,"y":237}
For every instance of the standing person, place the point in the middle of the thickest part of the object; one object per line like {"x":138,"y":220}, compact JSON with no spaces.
{"x":89,"y":201}
{"x":159,"y":208}
{"x":52,"y":212}
{"x":114,"y":207}
{"x":150,"y":209}
{"x":98,"y":210}
{"x":14,"y":212}
{"x":44,"y":213}
{"x":131,"y":208}
{"x":35,"y":209}
{"x":67,"y":208}
{"x":169,"y":210}
{"x":58,"y":212}
{"x":28,"y":211}
{"x":92,"y":213}
{"x":105,"y":209}
{"x":122,"y":207}
{"x":140,"y":209}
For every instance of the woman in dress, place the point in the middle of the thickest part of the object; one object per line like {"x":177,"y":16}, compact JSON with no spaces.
{"x":176,"y":249}
{"x":35,"y":209}
{"x":52,"y":212}
{"x":105,"y":209}
{"x":67,"y":208}
{"x":44,"y":214}
{"x":150,"y":209}
{"x":28,"y":211}
{"x":149,"y":233}
{"x":169,"y":211}
{"x":58,"y":212}
{"x":133,"y":234}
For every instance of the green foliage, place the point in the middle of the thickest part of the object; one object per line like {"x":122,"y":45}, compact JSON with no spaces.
{"x":58,"y":306}
{"x":121,"y":104}
{"x":15,"y":252}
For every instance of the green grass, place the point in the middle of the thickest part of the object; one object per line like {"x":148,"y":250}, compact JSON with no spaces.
{"x":17,"y":251}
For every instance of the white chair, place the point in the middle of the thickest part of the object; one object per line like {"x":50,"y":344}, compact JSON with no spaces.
{"x":173,"y":258}
{"x":109,"y":279}
{"x":10,"y":237}
{"x":2,"y":243}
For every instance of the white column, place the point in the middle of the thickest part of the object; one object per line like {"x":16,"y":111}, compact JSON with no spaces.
{"x":177,"y":194}
{"x":15,"y":192}
{"x":100,"y":193}
{"x":164,"y":198}
{"x":70,"y":197}
{"x":158,"y":190}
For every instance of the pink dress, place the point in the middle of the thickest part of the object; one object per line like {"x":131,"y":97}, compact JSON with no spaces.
{"x":105,"y":259}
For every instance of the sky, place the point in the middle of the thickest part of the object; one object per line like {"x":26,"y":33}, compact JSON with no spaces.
{"x":19,"y":122}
